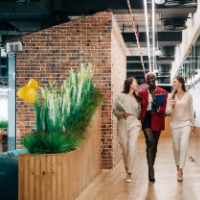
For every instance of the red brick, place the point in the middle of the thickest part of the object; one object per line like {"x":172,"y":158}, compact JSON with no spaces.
{"x":51,"y":53}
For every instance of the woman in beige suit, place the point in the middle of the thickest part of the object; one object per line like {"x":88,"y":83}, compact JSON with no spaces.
{"x":180,"y":106}
{"x":128,"y":123}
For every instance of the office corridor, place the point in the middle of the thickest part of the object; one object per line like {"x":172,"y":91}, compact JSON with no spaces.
{"x":111,"y":185}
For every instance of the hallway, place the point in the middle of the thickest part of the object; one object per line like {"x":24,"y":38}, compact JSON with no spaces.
{"x":111,"y":185}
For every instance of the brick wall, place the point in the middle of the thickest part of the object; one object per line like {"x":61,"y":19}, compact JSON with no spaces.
{"x":118,"y":73}
{"x":51,"y":53}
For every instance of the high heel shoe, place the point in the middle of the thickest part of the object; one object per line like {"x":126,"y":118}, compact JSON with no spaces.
{"x":151,"y":174}
{"x":180,"y":176}
{"x":128,"y":178}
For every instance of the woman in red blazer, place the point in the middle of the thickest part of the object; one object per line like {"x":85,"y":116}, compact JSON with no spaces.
{"x":152,"y":119}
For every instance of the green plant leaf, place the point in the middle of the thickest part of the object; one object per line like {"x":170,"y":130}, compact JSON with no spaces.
{"x":63,"y":115}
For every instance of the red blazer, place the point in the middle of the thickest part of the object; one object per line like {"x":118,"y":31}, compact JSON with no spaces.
{"x":158,"y":118}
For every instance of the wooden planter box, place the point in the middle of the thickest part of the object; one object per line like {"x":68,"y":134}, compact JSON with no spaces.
{"x":61,"y":176}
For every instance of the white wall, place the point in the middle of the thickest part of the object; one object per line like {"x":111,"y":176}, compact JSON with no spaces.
{"x":3,"y":103}
{"x":195,"y":92}
{"x":189,"y":37}
{"x":3,"y":109}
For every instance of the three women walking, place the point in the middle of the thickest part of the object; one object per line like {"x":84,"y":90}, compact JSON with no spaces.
{"x":129,"y":107}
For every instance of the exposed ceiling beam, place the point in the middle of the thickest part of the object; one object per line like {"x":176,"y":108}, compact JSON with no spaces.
{"x":166,"y":12}
{"x":162,"y":36}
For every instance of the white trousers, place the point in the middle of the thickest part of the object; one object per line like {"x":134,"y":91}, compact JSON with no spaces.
{"x":128,"y":141}
{"x":180,"y":139}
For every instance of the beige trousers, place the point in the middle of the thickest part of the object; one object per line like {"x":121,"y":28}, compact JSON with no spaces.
{"x":180,"y":139}
{"x":128,"y":141}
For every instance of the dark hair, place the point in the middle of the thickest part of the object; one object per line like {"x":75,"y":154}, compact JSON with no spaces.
{"x":180,"y":80}
{"x":127,"y":84}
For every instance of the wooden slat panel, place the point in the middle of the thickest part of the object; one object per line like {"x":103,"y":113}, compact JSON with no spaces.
{"x":21,"y":179}
{"x":54,"y":169}
{"x":37,"y":180}
{"x":42,"y":175}
{"x":60,"y":180}
{"x":49,"y":178}
{"x":61,"y":176}
{"x":26,"y":180}
{"x":31,"y":180}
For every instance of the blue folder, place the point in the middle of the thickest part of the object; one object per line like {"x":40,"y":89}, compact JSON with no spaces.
{"x":159,"y":99}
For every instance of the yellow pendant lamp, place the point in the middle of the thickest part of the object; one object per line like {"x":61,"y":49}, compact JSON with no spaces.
{"x":28,"y":92}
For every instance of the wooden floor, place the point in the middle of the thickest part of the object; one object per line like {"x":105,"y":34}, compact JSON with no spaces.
{"x":111,"y":185}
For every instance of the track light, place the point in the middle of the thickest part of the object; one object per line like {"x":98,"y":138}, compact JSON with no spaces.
{"x":14,"y":46}
{"x":159,"y":1}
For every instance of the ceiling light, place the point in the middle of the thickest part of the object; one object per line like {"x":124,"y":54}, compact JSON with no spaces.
{"x":159,"y":1}
{"x":147,"y":32}
{"x":181,"y":3}
{"x":22,"y":1}
{"x":153,"y":35}
{"x":3,"y":52}
{"x":14,"y":46}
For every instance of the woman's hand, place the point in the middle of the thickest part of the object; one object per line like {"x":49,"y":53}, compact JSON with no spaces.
{"x":173,"y":103}
{"x":154,"y":105}
{"x":125,"y":115}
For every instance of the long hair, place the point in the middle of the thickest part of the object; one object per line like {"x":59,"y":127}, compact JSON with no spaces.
{"x":127,"y":86}
{"x":180,"y":80}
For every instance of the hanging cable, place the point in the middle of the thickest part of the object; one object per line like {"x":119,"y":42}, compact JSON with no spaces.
{"x":153,"y":35}
{"x":136,"y":35}
{"x":147,"y":32}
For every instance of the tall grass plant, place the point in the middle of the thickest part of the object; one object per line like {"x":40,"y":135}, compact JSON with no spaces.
{"x":63,"y":115}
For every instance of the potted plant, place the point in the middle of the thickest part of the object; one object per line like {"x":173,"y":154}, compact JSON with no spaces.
{"x":62,"y":119}
{"x":4,"y":123}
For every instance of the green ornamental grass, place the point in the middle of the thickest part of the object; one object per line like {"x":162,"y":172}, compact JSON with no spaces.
{"x":63,"y":115}
{"x":42,"y":143}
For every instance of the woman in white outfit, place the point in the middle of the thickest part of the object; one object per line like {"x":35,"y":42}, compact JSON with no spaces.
{"x":128,"y":123}
{"x":180,"y":106}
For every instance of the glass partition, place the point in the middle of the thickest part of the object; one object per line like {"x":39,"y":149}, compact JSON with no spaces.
{"x":190,"y":68}
{"x":7,"y":102}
